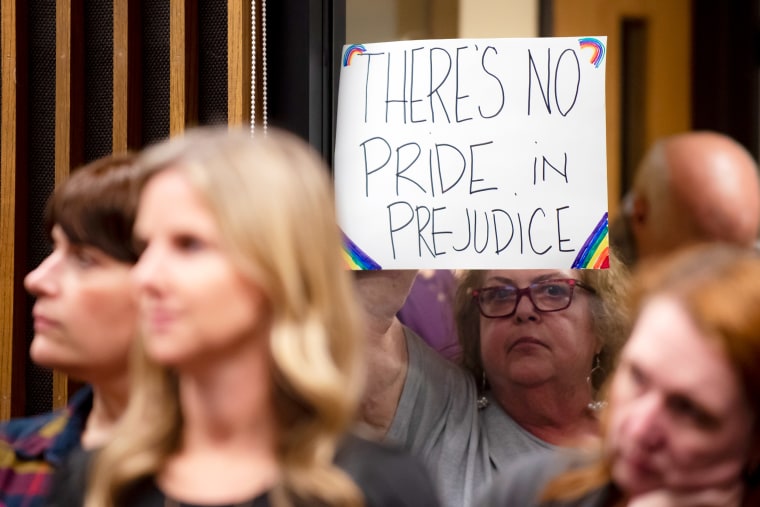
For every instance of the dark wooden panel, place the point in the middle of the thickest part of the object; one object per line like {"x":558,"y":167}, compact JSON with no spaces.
{"x":41,"y":105}
{"x":13,"y":205}
{"x":155,"y":64}
{"x":98,"y":99}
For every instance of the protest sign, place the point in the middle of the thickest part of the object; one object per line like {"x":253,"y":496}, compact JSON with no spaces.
{"x":478,"y":153}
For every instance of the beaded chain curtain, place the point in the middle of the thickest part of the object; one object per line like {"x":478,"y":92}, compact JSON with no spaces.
{"x":259,"y":22}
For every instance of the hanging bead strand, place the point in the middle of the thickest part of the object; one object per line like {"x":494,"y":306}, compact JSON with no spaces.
{"x":264,"y":94}
{"x":253,"y":67}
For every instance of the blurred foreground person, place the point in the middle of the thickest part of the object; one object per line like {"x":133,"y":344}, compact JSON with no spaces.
{"x":689,"y":188}
{"x":249,"y":366}
{"x":682,"y":425}
{"x":85,"y":319}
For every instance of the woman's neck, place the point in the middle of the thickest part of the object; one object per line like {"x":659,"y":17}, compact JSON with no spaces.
{"x":109,"y":400}
{"x":230,"y":401}
{"x":229,"y":432}
{"x":557,"y":416}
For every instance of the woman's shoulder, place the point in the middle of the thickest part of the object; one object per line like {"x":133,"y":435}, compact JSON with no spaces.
{"x":386,"y":474}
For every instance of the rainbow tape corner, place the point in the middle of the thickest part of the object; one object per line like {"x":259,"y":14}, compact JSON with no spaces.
{"x":355,"y":258}
{"x":595,"y":253}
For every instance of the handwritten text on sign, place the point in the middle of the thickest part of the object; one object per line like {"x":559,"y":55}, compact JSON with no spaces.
{"x":473,"y":154}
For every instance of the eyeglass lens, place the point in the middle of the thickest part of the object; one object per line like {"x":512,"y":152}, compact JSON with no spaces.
{"x":551,"y":295}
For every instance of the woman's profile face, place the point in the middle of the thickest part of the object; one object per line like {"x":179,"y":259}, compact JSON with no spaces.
{"x":85,"y":313}
{"x":194,"y":303}
{"x":678,"y":417}
{"x":532,"y":347}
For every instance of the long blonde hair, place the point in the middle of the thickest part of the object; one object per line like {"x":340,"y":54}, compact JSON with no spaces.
{"x":272,"y":201}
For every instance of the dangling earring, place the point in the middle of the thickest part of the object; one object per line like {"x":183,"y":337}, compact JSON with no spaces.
{"x":482,"y":399}
{"x":595,"y":405}
{"x":594,"y":371}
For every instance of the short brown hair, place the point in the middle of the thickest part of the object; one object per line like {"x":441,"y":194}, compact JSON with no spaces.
{"x":97,"y":206}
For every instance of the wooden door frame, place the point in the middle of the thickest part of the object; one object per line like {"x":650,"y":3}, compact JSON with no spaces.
{"x":724,"y":77}
{"x":666,"y":52}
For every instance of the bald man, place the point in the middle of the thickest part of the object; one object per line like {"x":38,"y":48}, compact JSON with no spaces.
{"x":692,"y":187}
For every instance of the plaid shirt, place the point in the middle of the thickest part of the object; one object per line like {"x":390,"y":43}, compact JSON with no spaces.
{"x":31,"y":449}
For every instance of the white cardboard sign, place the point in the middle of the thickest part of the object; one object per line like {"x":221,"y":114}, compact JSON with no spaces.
{"x":479,"y":153}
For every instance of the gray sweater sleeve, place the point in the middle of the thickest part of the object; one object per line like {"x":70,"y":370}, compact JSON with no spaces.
{"x":437,"y":420}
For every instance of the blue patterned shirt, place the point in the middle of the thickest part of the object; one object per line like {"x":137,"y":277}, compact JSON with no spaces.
{"x":31,"y":448}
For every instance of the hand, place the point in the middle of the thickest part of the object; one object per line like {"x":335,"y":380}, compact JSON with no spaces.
{"x":382,"y":294}
{"x":729,"y":496}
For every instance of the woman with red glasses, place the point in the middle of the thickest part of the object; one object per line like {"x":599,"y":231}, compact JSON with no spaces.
{"x":537,"y":345}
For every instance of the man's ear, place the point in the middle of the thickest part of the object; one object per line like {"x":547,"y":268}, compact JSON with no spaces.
{"x":639,"y":212}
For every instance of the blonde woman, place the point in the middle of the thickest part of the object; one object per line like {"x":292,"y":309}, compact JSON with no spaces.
{"x":249,"y":370}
